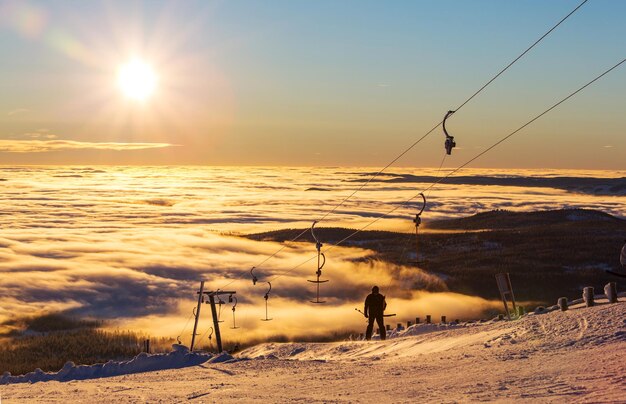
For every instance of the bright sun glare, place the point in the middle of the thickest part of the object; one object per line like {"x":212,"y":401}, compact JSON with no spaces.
{"x":137,"y":80}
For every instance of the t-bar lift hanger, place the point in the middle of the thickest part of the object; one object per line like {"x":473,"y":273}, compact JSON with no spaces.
{"x":418,"y":221}
{"x":321,"y":260}
{"x":254,"y":278}
{"x":266,"y":297}
{"x":231,"y":299}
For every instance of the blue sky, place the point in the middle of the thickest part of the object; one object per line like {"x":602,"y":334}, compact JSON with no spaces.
{"x":314,"y":83}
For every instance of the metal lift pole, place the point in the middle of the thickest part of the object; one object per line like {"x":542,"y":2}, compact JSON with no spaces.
{"x":195,"y":324}
{"x":216,"y":324}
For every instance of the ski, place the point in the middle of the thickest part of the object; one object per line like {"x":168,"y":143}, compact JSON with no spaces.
{"x":384,"y":315}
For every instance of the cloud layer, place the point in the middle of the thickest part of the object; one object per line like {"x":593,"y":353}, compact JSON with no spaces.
{"x":131,"y":244}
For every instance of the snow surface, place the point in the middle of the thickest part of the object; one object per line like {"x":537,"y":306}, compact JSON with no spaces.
{"x":178,"y":358}
{"x":574,"y":356}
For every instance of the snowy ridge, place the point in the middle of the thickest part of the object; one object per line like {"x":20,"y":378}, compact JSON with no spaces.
{"x":573,"y":328}
{"x":180,"y":357}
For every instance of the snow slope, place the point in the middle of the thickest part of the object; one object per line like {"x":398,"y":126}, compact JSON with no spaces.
{"x":573,"y":356}
{"x":180,"y":357}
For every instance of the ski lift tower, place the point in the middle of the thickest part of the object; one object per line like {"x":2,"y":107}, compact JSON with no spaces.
{"x":216,"y":325}
{"x":506,"y":291}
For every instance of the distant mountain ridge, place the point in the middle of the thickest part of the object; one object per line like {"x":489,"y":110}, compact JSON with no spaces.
{"x":583,"y":185}
{"x":547,"y":253}
{"x":505,"y":219}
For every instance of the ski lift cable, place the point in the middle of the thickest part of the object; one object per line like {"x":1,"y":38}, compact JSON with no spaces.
{"x":406,"y":245}
{"x":186,"y":324}
{"x":254,"y":277}
{"x":438,"y":171}
{"x":461,"y":166}
{"x":402,"y":258}
{"x":205,"y":333}
{"x":281,"y":248}
{"x":521,"y":55}
{"x":341,"y":203}
{"x":398,"y":157}
{"x":411,"y":146}
{"x":486,"y":150}
{"x":448,"y":138}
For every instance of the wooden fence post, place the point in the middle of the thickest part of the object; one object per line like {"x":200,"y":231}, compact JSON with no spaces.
{"x":562,"y":302}
{"x":417,"y":320}
{"x":610,"y":290}
{"x":443,"y":319}
{"x":588,"y":296}
{"x":428,"y":319}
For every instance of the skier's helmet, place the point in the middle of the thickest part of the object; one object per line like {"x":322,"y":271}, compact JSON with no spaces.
{"x":375,"y":289}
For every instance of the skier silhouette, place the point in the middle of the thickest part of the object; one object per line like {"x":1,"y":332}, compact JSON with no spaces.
{"x":375,"y":306}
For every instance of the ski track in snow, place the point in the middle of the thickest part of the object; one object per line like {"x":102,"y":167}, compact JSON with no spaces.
{"x":573,"y":356}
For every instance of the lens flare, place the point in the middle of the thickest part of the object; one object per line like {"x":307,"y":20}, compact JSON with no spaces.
{"x":137,"y":80}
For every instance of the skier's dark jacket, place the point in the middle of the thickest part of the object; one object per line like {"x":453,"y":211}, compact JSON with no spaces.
{"x":375,"y":305}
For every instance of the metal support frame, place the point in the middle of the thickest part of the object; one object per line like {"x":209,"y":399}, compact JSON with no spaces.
{"x":216,"y":324}
{"x":197,"y":315}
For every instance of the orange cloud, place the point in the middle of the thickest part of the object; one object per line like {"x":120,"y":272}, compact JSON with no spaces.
{"x":41,"y":146}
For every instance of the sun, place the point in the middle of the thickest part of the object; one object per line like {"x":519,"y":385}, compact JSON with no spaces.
{"x":137,"y":80}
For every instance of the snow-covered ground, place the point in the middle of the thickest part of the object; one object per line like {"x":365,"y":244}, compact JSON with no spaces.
{"x":573,"y":356}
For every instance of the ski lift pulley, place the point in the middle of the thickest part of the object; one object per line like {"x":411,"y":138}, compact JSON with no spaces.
{"x":450,"y":143}
{"x":321,"y":260}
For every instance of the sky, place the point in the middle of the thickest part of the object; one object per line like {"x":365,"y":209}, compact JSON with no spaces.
{"x":324,"y":83}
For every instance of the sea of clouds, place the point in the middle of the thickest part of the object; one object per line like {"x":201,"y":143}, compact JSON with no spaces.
{"x":130,"y":244}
